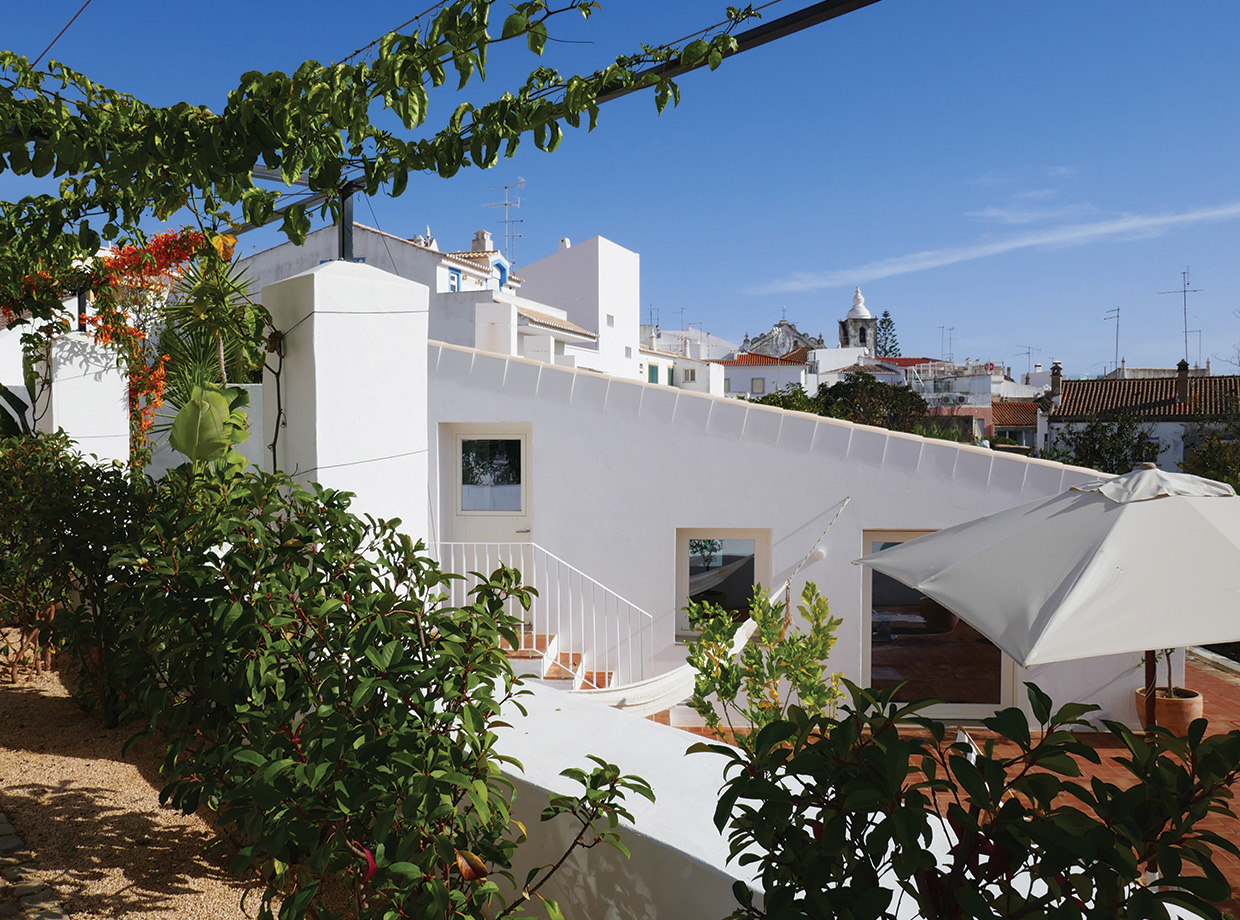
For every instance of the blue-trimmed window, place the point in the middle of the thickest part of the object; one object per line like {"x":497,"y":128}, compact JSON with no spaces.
{"x":454,"y":279}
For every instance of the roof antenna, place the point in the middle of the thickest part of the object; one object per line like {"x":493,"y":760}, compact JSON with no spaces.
{"x":1113,"y":313}
{"x":1185,"y":290}
{"x":510,"y":234}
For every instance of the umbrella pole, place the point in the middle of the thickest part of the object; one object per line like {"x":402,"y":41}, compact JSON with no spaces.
{"x":1151,"y":678}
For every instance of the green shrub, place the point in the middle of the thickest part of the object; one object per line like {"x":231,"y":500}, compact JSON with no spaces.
{"x":779,"y":667}
{"x":309,"y":683}
{"x":837,"y":816}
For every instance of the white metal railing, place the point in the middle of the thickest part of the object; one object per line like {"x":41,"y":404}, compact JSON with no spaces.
{"x":575,"y":623}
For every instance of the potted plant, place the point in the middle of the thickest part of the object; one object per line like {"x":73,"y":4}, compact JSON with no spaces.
{"x":1175,"y":708}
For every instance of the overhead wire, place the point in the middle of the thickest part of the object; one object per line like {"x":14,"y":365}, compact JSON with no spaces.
{"x":35,"y":63}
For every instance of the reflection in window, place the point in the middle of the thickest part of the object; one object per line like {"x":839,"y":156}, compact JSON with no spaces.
{"x":721,"y":572}
{"x":918,"y":641}
{"x":491,"y":475}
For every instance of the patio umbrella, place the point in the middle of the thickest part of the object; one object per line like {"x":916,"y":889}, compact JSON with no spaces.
{"x":1147,"y":560}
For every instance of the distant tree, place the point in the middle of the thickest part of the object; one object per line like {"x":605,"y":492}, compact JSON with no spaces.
{"x":886,"y":345}
{"x":1113,"y":445}
{"x":859,"y":397}
{"x":1213,"y":451}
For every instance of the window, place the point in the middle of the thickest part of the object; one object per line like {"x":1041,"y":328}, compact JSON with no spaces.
{"x":491,"y":474}
{"x":727,"y":384}
{"x":628,"y":352}
{"x":653,"y":373}
{"x":503,"y":273}
{"x":757,"y":385}
{"x":611,"y":321}
{"x":671,"y":376}
{"x":690,"y":375}
{"x":861,"y":333}
{"x":916,"y":641}
{"x":719,"y":566}
{"x":454,"y":279}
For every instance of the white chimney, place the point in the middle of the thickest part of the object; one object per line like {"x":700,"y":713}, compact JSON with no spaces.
{"x":565,"y":243}
{"x":482,"y":242}
{"x":1037,"y":368}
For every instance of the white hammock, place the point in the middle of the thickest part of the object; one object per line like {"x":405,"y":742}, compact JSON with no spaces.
{"x":704,"y":581}
{"x":646,"y":697}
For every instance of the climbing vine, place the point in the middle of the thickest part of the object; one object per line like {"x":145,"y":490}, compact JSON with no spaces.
{"x":121,"y":160}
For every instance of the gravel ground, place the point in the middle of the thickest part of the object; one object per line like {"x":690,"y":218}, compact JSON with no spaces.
{"x":92,"y":818}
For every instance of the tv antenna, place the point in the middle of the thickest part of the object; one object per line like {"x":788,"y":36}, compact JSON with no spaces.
{"x":1184,"y":290}
{"x":1198,"y":331}
{"x":510,"y":234}
{"x":951,"y":343}
{"x":1028,"y":353}
{"x":1113,"y":313}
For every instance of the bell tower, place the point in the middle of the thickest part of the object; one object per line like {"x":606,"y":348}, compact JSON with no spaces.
{"x":859,"y":329}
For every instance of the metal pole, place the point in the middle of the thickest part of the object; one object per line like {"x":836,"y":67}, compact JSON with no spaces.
{"x":345,"y":248}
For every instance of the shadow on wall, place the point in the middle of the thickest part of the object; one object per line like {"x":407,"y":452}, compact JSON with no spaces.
{"x":658,"y":881}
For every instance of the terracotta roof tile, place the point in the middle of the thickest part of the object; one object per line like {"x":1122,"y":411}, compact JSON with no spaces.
{"x":754,"y":359}
{"x":554,"y":322}
{"x":799,"y":355}
{"x":1015,"y":414}
{"x":910,"y":362}
{"x":1149,"y":398}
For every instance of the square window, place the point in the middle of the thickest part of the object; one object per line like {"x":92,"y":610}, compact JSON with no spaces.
{"x":757,"y":385}
{"x":491,"y":474}
{"x":611,"y":321}
{"x":690,"y":375}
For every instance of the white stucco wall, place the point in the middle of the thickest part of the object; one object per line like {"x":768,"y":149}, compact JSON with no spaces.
{"x":739,"y":378}
{"x":591,"y":281}
{"x":618,"y":466}
{"x":679,"y":862}
{"x":353,"y":387}
{"x":88,"y":396}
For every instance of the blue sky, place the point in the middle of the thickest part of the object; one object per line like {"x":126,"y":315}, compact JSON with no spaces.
{"x":1012,"y":171}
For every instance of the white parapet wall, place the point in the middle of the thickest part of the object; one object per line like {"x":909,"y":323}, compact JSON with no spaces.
{"x":86,"y":394}
{"x":353,"y":387}
{"x":679,"y":865}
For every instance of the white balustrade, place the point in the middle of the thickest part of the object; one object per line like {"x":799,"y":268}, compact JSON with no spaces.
{"x":598,"y":635}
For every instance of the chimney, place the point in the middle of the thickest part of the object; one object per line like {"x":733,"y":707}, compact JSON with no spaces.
{"x":482,"y":242}
{"x":1181,"y":381}
{"x":565,"y":243}
{"x":1056,"y":381}
{"x":1037,"y":368}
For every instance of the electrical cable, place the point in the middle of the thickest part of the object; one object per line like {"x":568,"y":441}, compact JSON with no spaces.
{"x":35,"y":63}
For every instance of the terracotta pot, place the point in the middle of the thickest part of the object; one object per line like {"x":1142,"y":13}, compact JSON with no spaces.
{"x":1174,"y":710}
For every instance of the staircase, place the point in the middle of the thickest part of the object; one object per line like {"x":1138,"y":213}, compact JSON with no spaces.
{"x":578,"y":633}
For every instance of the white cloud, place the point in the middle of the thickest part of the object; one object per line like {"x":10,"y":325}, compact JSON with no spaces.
{"x":1032,"y":215}
{"x":1135,"y":225}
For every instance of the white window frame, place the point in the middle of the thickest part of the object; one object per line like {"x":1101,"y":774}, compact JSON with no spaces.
{"x":462,"y":434}
{"x":757,"y":385}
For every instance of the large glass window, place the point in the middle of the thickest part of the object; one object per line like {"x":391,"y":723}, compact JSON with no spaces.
{"x":491,"y":474}
{"x":917,"y":642}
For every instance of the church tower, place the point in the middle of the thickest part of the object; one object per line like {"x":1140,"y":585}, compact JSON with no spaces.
{"x":859,"y":329}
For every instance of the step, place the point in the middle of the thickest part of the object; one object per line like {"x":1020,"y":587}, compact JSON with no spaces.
{"x":596,"y":680}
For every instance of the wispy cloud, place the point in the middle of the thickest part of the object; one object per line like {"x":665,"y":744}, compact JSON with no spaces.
{"x":1032,"y":215}
{"x":1062,"y":172}
{"x":1135,"y":225}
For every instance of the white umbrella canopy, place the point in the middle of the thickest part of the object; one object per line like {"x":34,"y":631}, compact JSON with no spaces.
{"x":1143,"y":561}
